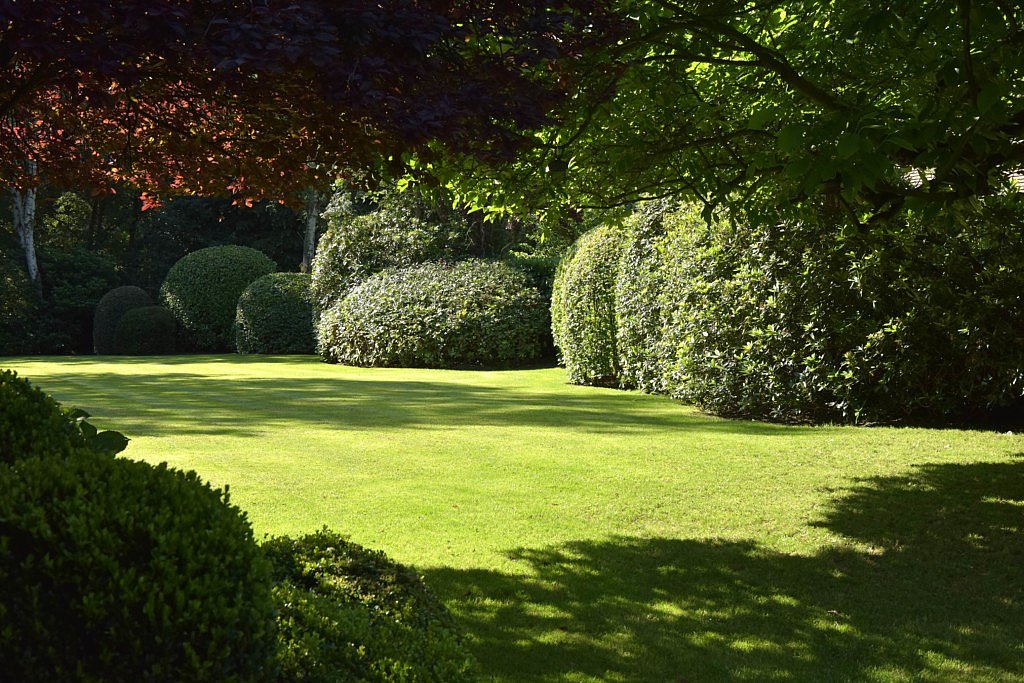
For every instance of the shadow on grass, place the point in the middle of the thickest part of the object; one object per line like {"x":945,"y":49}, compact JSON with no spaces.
{"x":934,"y":592}
{"x":156,"y":404}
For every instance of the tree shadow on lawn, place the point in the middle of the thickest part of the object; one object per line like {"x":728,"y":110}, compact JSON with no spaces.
{"x":157,"y":404}
{"x":932,"y":591}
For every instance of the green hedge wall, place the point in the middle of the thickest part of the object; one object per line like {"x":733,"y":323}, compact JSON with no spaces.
{"x":202,"y":289}
{"x":469,"y":313}
{"x":275,"y":315}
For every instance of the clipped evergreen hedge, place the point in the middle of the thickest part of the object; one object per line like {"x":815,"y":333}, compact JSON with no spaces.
{"x":109,"y":311}
{"x":583,"y":307}
{"x":32,"y":424}
{"x":202,"y":289}
{"x":346,"y":613}
{"x":401,"y":231}
{"x":116,"y":570}
{"x":472,"y":313}
{"x":275,"y":315}
{"x":147,"y":331}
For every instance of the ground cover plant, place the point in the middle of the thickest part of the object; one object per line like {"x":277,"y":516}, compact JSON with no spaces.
{"x":587,"y":534}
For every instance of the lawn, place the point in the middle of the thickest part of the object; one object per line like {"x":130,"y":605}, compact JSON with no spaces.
{"x":587,"y":534}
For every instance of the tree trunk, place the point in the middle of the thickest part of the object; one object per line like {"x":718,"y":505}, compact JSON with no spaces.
{"x":24,"y":206}
{"x":309,"y":244}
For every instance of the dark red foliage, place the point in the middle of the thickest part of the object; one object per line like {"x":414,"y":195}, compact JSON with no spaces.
{"x":264,"y":97}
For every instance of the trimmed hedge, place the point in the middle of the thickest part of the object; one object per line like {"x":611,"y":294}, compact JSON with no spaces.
{"x":116,"y":570}
{"x":275,"y":315}
{"x":583,"y":308}
{"x":401,"y":231}
{"x":346,"y":613}
{"x":147,"y":331}
{"x":809,"y":320}
{"x":32,"y":424}
{"x":202,"y":290}
{"x":639,"y":300}
{"x":109,"y":311}
{"x":442,"y":315}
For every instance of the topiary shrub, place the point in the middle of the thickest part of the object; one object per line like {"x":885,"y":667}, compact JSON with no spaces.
{"x":275,"y":315}
{"x":74,"y":280}
{"x":441,"y":315}
{"x":402,"y":230}
{"x":115,"y":570}
{"x":639,"y":285}
{"x":146,"y":331}
{"x":109,"y":310}
{"x":346,"y":613}
{"x":583,"y":308}
{"x":32,"y":425}
{"x":202,"y":290}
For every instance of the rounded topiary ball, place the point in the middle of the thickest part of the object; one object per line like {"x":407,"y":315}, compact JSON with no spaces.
{"x":32,"y":423}
{"x":440,"y":315}
{"x":348,"y":613}
{"x":583,"y":307}
{"x":116,"y":570}
{"x":146,"y":331}
{"x":202,"y":291}
{"x":275,"y":315}
{"x":109,"y":311}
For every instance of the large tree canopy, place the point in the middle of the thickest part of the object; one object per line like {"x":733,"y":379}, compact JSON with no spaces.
{"x":263,"y":97}
{"x":867,"y":106}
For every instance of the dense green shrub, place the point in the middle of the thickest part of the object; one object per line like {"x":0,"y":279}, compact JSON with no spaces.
{"x":115,"y":570}
{"x":32,"y":424}
{"x":818,"y":320}
{"x":583,"y":307}
{"x":109,"y":311}
{"x":275,"y":315}
{"x":402,"y":230}
{"x":74,"y":280}
{"x":146,"y":331}
{"x":639,"y":287}
{"x":468,"y":313}
{"x":18,"y":303}
{"x":202,"y":291}
{"x":346,"y":613}
{"x":540,"y":268}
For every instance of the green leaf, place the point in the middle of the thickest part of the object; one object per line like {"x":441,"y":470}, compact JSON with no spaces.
{"x":791,"y":138}
{"x":848,"y":145}
{"x":110,"y":441}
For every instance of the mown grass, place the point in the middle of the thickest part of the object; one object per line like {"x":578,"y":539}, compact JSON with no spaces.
{"x":588,"y":534}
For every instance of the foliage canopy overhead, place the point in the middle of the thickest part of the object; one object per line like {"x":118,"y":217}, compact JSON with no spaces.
{"x":261,"y":98}
{"x":869,"y":108}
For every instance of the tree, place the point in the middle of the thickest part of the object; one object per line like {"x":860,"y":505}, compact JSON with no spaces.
{"x":866,"y":108}
{"x":264,"y":99}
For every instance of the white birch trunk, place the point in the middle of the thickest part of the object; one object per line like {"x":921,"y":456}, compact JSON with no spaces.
{"x":309,"y":244}
{"x":24,"y":206}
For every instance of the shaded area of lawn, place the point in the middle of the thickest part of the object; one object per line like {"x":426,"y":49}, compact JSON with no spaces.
{"x":937,"y":595}
{"x":249,"y":406}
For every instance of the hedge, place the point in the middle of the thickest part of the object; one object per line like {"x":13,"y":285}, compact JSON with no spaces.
{"x":275,"y":315}
{"x":202,"y":289}
{"x":583,"y":308}
{"x":401,"y":231}
{"x":109,"y":311}
{"x":472,"y":313}
{"x":116,"y":570}
{"x":346,"y":613}
{"x":147,"y":331}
